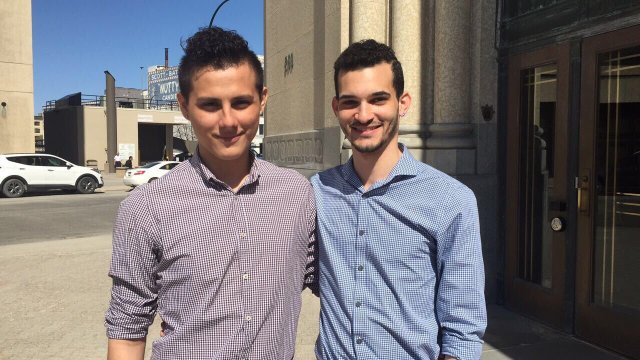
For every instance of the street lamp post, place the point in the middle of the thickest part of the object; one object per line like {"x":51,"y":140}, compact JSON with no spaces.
{"x":215,"y":12}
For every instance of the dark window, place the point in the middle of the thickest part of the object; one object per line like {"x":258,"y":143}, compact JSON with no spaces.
{"x":51,"y":161}
{"x":24,"y":160}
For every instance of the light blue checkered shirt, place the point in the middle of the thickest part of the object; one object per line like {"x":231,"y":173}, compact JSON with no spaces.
{"x":401,"y":272}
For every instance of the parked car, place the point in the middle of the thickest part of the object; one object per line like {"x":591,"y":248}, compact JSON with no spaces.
{"x":21,"y":173}
{"x":148,"y":172}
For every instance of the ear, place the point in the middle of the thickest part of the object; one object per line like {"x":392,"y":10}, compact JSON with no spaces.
{"x":183,"y":106}
{"x":404,"y":103}
{"x":265,"y":95}
{"x":334,"y":105}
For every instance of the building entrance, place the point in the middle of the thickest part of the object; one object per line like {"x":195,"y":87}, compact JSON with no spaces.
{"x":537,"y":183}
{"x":608,"y":244}
{"x":583,"y":280}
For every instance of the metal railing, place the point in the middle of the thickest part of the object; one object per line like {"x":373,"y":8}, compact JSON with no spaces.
{"x":121,"y":102}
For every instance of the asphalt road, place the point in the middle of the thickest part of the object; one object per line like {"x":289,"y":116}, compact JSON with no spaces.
{"x":56,"y":216}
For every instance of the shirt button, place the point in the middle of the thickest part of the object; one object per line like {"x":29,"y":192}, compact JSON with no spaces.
{"x":245,"y":276}
{"x":358,"y":304}
{"x":248,"y":317}
{"x":359,"y":341}
{"x":360,"y":267}
{"x":243,"y":235}
{"x":361,"y":232}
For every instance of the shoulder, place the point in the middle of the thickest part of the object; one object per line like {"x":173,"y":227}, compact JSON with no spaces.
{"x":327,"y":177}
{"x":273,"y":175}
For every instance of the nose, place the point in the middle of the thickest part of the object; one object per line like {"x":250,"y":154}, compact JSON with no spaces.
{"x":227,"y":118}
{"x":363,"y":113}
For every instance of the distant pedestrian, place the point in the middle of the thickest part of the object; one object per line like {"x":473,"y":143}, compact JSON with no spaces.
{"x":129,"y":163}
{"x":117,"y":160}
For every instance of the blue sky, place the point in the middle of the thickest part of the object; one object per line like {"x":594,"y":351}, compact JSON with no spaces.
{"x":75,"y":41}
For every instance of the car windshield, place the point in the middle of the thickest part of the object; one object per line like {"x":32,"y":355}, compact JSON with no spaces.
{"x":150,"y":165}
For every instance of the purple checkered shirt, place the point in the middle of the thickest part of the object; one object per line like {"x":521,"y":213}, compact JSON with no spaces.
{"x":223,"y":270}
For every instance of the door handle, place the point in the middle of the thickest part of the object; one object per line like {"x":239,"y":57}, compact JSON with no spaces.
{"x":49,"y":169}
{"x":582,"y":185}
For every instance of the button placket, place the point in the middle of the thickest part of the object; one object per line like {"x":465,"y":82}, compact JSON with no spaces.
{"x":359,"y":315}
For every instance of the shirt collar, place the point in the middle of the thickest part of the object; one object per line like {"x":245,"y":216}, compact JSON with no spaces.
{"x":405,"y":167}
{"x":255,"y":171}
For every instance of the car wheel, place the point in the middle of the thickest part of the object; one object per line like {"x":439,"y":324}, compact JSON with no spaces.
{"x":86,"y":185}
{"x":152,"y":179}
{"x":14,"y":188}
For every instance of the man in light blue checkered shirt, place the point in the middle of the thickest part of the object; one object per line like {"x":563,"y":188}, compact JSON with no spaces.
{"x":401,"y":273}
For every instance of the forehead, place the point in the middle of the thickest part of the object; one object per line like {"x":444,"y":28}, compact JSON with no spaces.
{"x":240,"y":75}
{"x":373,"y":78}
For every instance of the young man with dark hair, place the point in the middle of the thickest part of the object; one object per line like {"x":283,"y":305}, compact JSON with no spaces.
{"x":400,"y":259}
{"x":220,"y":246}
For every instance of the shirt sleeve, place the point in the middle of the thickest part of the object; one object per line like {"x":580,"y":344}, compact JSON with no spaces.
{"x":460,"y":307}
{"x":311,"y":276}
{"x":133,"y":263}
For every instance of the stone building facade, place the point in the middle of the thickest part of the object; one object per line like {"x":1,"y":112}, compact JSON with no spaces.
{"x":534,"y":104}
{"x":16,"y":77}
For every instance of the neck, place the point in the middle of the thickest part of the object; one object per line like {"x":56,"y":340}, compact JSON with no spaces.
{"x":231,"y":172}
{"x":375,"y":166}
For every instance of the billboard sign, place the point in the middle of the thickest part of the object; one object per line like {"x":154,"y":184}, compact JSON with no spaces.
{"x":163,"y":84}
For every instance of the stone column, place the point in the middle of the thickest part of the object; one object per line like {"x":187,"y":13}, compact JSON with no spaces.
{"x":407,"y":40}
{"x":452,"y":128}
{"x":369,"y":20}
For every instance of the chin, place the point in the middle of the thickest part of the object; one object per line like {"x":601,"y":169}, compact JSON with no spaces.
{"x":230,"y":153}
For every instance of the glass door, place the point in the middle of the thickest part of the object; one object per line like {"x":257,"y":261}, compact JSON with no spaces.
{"x":537,"y":183}
{"x":608,"y":283}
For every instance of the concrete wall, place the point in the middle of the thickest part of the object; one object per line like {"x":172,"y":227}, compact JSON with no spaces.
{"x":302,"y":40}
{"x":95,"y":129}
{"x":16,"y":77}
{"x":79,"y":133}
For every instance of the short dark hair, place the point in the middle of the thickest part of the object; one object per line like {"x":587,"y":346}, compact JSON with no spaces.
{"x":219,"y":49}
{"x":368,"y":53}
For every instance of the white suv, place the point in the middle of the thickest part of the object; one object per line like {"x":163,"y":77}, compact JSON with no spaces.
{"x":20,"y":173}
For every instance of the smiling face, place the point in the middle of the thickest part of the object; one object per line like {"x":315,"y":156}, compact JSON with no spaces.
{"x":224,"y":109}
{"x":367,"y":108}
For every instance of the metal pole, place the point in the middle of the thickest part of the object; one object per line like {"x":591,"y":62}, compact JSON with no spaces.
{"x":215,"y":12}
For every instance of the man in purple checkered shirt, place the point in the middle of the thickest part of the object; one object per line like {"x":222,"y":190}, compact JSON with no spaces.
{"x":220,"y":247}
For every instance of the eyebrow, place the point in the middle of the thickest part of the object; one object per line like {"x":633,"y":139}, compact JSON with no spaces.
{"x":214,"y":99}
{"x":375,"y":94}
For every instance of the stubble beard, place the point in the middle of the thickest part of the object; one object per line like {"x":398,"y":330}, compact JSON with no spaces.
{"x":386,"y":138}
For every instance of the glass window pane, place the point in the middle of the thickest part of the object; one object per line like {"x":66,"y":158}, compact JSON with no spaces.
{"x":617,"y":210}
{"x":537,"y":116}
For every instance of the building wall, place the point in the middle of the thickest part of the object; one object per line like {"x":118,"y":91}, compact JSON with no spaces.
{"x":16,"y":74}
{"x":450,"y":64}
{"x":302,"y":39}
{"x":95,"y":129}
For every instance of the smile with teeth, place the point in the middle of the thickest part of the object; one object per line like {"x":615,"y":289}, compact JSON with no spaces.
{"x":362,"y":128}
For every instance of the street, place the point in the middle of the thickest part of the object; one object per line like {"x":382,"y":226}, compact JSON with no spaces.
{"x":56,"y":215}
{"x":54,"y":289}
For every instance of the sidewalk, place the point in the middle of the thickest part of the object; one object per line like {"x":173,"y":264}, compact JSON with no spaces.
{"x":54,"y":294}
{"x":112,"y":182}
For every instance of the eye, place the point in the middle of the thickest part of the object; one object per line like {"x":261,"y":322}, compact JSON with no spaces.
{"x":241,"y":104}
{"x":210,"y":105}
{"x":378,"y":100}
{"x":347,"y":104}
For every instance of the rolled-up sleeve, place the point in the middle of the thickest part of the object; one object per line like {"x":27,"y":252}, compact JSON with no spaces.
{"x":461,"y":307}
{"x":133,"y":266}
